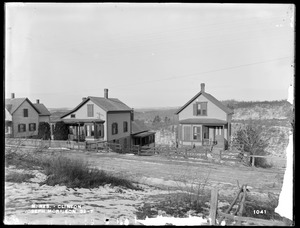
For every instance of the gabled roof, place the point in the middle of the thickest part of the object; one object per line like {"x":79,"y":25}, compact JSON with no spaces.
{"x":110,"y":104}
{"x":210,"y":98}
{"x":42,"y":109}
{"x":107,"y":104}
{"x":13,"y":104}
{"x":138,"y":127}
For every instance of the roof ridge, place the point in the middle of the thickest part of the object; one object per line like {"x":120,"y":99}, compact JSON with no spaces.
{"x":210,"y":97}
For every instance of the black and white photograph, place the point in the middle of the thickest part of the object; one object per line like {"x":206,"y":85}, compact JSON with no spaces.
{"x":149,"y":114}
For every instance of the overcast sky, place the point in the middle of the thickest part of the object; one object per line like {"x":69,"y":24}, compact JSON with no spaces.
{"x":148,"y":55}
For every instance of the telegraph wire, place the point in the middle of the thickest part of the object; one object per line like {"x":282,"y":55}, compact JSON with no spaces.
{"x":204,"y":72}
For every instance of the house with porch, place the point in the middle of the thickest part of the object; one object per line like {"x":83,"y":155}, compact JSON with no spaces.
{"x":22,"y":117}
{"x":101,"y":119}
{"x":204,"y":120}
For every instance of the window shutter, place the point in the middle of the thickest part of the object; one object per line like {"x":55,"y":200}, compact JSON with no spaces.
{"x":195,"y":109}
{"x":187,"y":133}
{"x":179,"y":132}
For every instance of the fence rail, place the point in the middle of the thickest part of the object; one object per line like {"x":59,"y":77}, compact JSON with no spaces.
{"x":214,"y":212}
{"x":236,"y":154}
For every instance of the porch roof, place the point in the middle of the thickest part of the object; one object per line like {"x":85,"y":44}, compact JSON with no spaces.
{"x":80,"y":121}
{"x":206,"y":121}
{"x":144,"y":134}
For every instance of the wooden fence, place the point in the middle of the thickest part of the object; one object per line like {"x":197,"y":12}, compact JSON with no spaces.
{"x":51,"y":144}
{"x":237,"y":214}
{"x":104,"y":146}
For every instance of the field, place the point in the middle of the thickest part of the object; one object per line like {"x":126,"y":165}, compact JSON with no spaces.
{"x":161,"y":179}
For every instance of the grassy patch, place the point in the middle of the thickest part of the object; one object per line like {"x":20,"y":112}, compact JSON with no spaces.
{"x":18,"y":177}
{"x":75,"y":173}
{"x":62,"y":170}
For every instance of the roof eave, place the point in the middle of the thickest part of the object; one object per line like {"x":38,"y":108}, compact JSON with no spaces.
{"x":76,"y":108}
{"x":190,"y":101}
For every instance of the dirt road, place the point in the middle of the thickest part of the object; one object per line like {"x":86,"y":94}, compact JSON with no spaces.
{"x":163,"y":172}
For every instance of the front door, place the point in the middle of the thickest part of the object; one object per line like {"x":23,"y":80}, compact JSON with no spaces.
{"x":205,"y":133}
{"x":219,"y":137}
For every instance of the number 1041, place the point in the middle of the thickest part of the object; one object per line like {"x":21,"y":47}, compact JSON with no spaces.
{"x":257,"y":212}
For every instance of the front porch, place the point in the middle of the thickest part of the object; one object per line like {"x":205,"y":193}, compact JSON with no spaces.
{"x":205,"y":132}
{"x":85,"y":130}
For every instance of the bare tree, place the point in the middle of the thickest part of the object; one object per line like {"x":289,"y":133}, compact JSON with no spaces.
{"x":255,"y":141}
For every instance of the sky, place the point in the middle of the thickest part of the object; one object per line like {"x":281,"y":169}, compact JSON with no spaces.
{"x":148,"y":55}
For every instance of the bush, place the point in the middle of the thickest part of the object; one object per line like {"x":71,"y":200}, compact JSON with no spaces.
{"x":75,"y":173}
{"x":44,"y":131}
{"x":61,"y":131}
{"x":255,"y":142}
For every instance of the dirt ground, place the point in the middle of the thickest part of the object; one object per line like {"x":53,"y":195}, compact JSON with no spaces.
{"x":156,"y":171}
{"x":162,"y":172}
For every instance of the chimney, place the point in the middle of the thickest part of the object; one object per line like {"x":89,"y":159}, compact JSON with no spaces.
{"x":37,"y":101}
{"x":106,"y":93}
{"x":12,"y":95}
{"x":202,"y":87}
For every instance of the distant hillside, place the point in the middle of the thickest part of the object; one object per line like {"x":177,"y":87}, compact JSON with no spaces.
{"x":259,"y":110}
{"x":148,"y":115}
{"x":268,"y":112}
{"x":56,"y":113}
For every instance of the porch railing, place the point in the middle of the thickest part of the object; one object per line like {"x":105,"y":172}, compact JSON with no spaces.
{"x":72,"y":137}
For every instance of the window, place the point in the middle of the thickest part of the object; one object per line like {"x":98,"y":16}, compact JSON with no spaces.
{"x":93,"y":131}
{"x":125,"y":126}
{"x":25,"y":112}
{"x":197,"y":133}
{"x":132,"y":116}
{"x":32,"y":126}
{"x":87,"y":130}
{"x":22,"y":127}
{"x":90,"y":110}
{"x":218,"y":130}
{"x":200,"y":109}
{"x":114,"y":129}
{"x":73,"y":115}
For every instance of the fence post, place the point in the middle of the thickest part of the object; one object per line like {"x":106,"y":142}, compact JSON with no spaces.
{"x":213,"y":206}
{"x":253,"y":161}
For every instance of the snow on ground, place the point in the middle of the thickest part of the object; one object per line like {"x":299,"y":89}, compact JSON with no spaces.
{"x":30,"y":203}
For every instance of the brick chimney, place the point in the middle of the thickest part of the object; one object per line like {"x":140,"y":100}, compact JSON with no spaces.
{"x":202,"y":87}
{"x":106,"y":93}
{"x":12,"y":95}
{"x":37,"y":101}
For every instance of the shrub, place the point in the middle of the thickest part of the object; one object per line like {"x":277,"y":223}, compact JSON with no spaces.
{"x":61,"y":131}
{"x":255,"y":142}
{"x":44,"y":131}
{"x":75,"y":173}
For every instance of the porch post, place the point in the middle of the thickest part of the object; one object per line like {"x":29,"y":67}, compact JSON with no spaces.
{"x":223,"y":139}
{"x":78,"y":132}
